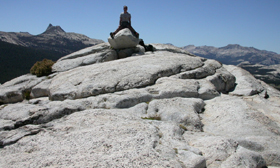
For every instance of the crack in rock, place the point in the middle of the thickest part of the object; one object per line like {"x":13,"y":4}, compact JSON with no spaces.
{"x":11,"y":137}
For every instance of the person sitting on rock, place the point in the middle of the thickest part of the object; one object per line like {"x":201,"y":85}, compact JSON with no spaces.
{"x":125,"y":22}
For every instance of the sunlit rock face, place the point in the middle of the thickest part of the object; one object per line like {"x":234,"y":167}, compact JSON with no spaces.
{"x":166,"y":108}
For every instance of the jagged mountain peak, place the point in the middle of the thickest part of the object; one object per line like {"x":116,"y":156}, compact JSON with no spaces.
{"x":50,"y":25}
{"x":232,"y":46}
{"x":54,"y":30}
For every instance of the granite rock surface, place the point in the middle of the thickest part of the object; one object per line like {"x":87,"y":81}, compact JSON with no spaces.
{"x":166,"y":108}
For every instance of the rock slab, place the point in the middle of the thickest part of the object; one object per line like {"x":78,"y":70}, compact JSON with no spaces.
{"x":166,"y":108}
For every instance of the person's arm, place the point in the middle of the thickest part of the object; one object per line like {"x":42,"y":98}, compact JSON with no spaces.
{"x":130,"y":21}
{"x":120,"y":20}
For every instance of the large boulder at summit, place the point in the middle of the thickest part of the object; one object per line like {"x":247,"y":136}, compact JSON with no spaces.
{"x":123,"y":39}
{"x":166,"y":108}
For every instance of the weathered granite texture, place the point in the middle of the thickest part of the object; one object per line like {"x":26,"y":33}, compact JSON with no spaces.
{"x":166,"y":108}
{"x":123,"y":39}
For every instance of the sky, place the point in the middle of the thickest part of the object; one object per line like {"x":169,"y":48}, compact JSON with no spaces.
{"x":250,"y":23}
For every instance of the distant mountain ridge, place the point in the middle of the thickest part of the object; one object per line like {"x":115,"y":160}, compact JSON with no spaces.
{"x":20,"y":50}
{"x":264,"y":65}
{"x":235,"y":54}
{"x":54,"y":38}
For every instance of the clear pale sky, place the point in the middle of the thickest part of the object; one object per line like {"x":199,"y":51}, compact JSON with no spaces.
{"x":250,"y":23}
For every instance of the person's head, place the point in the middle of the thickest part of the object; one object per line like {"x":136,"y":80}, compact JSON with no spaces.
{"x":125,"y":8}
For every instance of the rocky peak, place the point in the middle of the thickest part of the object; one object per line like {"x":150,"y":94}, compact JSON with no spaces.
{"x":232,"y":46}
{"x":54,"y":30}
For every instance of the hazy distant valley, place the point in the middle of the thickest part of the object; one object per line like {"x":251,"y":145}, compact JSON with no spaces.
{"x":264,"y":65}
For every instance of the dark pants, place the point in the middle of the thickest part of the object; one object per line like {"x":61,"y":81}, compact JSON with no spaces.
{"x":125,"y":25}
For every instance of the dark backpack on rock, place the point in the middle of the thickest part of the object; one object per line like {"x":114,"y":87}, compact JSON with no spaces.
{"x":147,"y":47}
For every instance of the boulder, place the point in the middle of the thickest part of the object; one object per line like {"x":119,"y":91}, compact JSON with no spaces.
{"x":123,"y":39}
